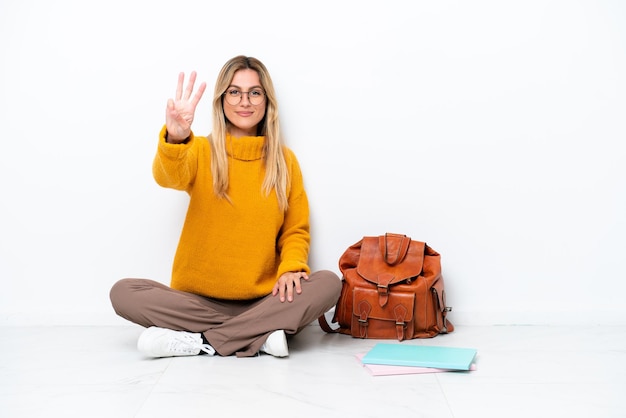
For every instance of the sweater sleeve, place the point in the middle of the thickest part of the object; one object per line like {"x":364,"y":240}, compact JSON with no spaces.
{"x":175,"y":165}
{"x":294,"y":240}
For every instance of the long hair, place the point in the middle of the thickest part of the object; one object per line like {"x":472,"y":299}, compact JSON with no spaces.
{"x":276,"y":174}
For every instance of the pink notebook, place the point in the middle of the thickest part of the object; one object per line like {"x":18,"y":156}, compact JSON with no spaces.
{"x":381,"y":370}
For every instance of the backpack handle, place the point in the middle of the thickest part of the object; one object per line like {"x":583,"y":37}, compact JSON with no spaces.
{"x":394,"y":247}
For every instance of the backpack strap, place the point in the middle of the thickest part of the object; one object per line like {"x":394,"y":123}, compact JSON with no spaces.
{"x":364,"y":310}
{"x":400,"y":312}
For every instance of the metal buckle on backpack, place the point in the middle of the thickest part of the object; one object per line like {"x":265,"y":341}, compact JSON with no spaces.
{"x":383,"y":289}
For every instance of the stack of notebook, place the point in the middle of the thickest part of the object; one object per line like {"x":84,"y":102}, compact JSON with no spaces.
{"x":402,"y":358}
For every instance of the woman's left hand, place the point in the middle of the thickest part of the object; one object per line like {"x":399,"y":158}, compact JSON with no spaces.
{"x":286,"y":284}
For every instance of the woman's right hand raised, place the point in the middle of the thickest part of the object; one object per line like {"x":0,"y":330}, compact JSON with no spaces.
{"x":180,"y":111}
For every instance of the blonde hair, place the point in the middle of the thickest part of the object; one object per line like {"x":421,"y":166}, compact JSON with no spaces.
{"x":276,"y":174}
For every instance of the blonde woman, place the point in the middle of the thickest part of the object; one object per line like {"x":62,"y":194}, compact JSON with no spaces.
{"x":240,"y":281}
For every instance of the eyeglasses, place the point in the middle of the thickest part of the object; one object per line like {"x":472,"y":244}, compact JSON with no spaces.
{"x":233,"y":96}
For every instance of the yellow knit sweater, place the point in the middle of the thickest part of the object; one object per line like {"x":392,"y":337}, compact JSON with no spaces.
{"x":233,"y":250}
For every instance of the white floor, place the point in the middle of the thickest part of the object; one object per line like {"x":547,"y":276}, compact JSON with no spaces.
{"x":521,"y":372}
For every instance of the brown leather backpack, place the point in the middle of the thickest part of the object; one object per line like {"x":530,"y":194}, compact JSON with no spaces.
{"x":392,"y":289}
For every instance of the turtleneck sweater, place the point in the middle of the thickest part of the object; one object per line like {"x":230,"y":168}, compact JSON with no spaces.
{"x":233,"y":249}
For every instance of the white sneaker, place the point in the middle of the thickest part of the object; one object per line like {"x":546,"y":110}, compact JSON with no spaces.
{"x":163,"y":342}
{"x":276,"y":344}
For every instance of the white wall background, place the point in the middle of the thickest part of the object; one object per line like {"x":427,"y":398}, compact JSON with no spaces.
{"x":492,"y":130}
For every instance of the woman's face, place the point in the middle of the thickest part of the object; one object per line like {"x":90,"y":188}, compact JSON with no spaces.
{"x":244,"y":116}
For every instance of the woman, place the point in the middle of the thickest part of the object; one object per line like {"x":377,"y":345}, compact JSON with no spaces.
{"x":240,"y":280}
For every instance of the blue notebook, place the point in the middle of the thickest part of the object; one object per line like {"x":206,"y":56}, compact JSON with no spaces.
{"x":454,"y":358}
